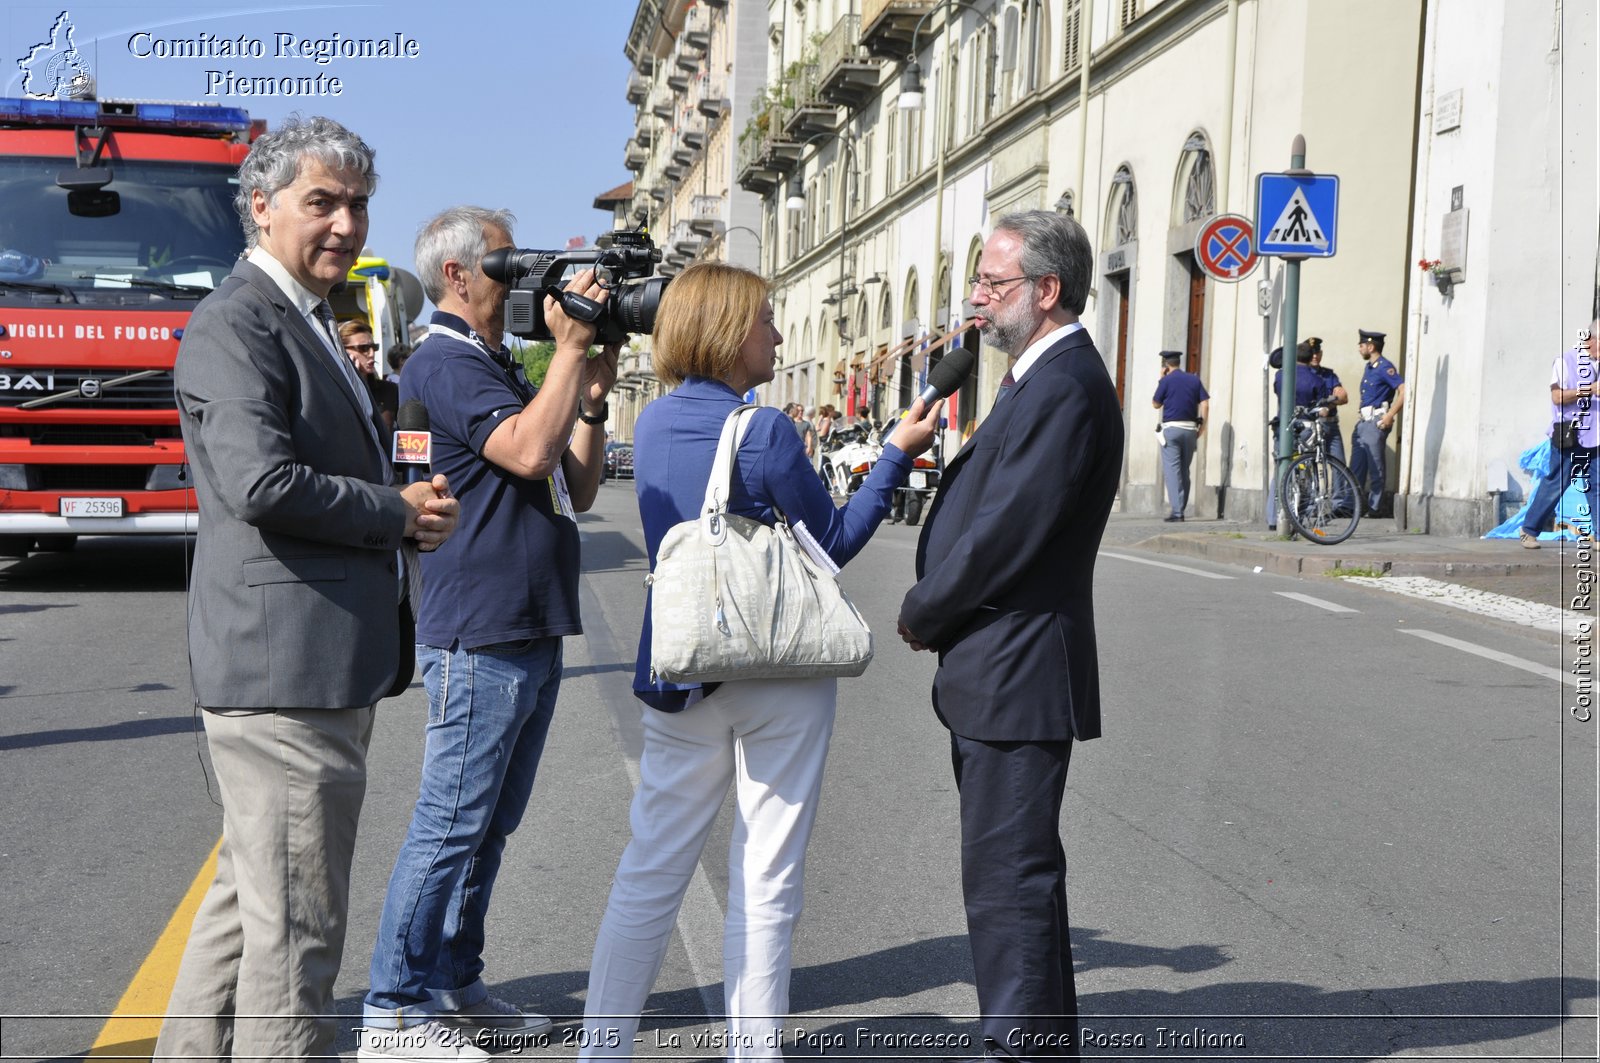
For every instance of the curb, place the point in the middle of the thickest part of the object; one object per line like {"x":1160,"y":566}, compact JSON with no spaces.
{"x":1291,"y":559}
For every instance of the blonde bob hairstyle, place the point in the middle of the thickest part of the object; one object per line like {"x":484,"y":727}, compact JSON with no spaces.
{"x":704,"y":317}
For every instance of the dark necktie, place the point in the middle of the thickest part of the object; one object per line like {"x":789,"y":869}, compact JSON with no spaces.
{"x":1007,"y":382}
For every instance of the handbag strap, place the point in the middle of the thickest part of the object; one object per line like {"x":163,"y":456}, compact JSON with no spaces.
{"x":720,"y":485}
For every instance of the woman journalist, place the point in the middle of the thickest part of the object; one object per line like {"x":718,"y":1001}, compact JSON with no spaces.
{"x":715,"y":340}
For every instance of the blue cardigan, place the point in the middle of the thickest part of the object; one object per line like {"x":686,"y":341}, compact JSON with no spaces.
{"x":674,"y":443}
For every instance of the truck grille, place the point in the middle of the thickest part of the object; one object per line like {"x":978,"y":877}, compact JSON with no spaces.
{"x":153,"y":392}
{"x":88,"y":477}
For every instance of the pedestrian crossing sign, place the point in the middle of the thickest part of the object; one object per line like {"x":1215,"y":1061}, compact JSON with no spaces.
{"x":1297,"y":216}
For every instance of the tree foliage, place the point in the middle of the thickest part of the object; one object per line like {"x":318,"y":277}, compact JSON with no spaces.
{"x":535,"y":359}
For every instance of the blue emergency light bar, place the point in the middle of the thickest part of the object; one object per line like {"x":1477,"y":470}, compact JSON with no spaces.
{"x":191,"y":117}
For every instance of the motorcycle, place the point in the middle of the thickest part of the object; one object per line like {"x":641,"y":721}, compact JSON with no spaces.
{"x":921,"y":486}
{"x":853,"y":451}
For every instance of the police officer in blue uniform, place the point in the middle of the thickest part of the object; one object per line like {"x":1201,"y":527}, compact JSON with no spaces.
{"x":1383,"y":393}
{"x":1333,"y":394}
{"x":1184,"y":403}
{"x":1314,"y":389}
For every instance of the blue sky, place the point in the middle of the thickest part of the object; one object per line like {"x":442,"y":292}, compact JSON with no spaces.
{"x":513,"y":105}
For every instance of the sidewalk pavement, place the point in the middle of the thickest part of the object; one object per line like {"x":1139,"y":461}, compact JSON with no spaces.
{"x":1549,"y":575}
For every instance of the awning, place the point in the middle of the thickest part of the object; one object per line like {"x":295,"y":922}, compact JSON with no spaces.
{"x":907,"y":346}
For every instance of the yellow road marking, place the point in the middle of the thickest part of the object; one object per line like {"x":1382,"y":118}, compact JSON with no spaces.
{"x":130,"y":1032}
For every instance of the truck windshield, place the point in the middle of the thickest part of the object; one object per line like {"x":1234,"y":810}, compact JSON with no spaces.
{"x":176,"y":232}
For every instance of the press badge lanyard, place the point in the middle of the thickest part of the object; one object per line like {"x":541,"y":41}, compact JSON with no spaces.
{"x":560,"y":497}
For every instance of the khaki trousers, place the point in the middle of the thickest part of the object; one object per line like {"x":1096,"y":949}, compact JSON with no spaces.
{"x":256,"y":980}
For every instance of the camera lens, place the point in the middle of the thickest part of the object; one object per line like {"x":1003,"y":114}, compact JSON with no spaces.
{"x":634,"y":306}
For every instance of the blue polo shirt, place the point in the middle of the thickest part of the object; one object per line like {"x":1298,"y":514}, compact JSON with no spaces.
{"x":1180,"y":394}
{"x":510,"y":570}
{"x":1310,"y":386}
{"x":1379,"y":381}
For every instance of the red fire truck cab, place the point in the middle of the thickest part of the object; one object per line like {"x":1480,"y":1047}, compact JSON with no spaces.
{"x":116,"y":218}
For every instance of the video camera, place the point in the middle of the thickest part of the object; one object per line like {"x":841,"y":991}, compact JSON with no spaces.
{"x":630,"y":308}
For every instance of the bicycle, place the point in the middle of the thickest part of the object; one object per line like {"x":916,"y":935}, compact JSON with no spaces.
{"x":1317,"y":490}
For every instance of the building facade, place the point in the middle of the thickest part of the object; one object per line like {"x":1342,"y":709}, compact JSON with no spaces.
{"x":1145,"y":118}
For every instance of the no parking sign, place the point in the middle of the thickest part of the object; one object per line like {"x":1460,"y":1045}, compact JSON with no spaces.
{"x":1226,"y":247}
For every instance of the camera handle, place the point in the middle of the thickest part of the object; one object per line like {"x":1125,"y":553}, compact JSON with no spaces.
{"x":576,"y":306}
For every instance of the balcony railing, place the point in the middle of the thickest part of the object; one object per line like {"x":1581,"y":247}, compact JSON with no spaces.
{"x":811,"y":114}
{"x":638,"y":88}
{"x":849,"y":73}
{"x":887,"y":25}
{"x":706,"y":214}
{"x":697,"y":29}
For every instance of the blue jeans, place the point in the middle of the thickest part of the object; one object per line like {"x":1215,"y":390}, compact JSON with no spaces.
{"x":1575,"y":463}
{"x":489,"y":710}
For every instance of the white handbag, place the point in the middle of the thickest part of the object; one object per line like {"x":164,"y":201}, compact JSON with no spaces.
{"x":732,"y":598}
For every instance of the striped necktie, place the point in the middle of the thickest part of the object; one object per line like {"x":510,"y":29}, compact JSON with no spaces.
{"x":1007,"y":382}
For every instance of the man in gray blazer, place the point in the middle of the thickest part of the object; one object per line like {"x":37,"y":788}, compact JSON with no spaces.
{"x":296,"y":620}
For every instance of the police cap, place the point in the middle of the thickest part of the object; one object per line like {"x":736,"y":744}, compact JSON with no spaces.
{"x":1374,"y":338}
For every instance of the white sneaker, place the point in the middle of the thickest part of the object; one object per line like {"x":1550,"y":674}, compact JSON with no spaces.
{"x":494,"y":1015}
{"x":431,"y":1042}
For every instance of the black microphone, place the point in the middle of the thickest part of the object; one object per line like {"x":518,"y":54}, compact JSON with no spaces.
{"x":413,"y":443}
{"x":944,"y":378}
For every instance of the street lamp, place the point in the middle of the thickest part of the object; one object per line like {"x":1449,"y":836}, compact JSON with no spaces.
{"x":722,"y":238}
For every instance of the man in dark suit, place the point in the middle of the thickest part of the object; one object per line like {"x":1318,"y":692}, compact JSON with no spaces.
{"x":296,"y":620}
{"x":1004,"y":595}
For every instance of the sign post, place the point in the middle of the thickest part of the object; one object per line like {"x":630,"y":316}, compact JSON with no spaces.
{"x":1297,"y":217}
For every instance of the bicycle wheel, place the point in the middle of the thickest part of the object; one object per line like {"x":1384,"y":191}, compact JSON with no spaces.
{"x":1319,"y":496}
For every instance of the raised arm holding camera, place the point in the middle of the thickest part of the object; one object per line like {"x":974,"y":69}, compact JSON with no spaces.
{"x":495,"y":607}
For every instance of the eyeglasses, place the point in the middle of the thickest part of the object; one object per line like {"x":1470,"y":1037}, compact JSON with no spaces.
{"x":362,"y":348}
{"x":992,"y":287}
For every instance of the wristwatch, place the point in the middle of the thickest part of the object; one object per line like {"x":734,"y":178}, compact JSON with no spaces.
{"x":600,"y":418}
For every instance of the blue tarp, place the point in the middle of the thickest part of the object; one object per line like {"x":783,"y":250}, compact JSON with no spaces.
{"x":1571,"y":511}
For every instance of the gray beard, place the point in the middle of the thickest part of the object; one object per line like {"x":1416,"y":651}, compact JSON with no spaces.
{"x":1007,"y":340}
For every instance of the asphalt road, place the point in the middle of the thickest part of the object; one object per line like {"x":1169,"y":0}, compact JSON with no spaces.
{"x":1307,"y":833}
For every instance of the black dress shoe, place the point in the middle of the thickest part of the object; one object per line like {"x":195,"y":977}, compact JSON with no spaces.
{"x":1175,"y":519}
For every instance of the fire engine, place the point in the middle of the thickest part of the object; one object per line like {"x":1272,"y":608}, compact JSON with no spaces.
{"x":116,"y":219}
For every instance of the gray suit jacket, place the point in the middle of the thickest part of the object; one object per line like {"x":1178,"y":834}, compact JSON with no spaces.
{"x":293,"y":601}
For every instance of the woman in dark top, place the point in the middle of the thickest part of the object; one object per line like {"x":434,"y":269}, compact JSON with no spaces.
{"x":715,"y":340}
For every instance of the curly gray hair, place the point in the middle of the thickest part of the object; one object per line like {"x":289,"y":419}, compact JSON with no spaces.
{"x":274,"y":162}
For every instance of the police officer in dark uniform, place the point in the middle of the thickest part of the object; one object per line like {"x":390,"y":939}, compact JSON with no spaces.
{"x":1383,"y":393}
{"x":1334,"y":394}
{"x":1315,"y":389}
{"x":1184,"y":403}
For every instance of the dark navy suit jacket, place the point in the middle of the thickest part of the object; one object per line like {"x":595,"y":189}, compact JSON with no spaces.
{"x":1005,"y":565}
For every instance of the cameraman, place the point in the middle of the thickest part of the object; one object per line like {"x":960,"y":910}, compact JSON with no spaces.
{"x":494,"y":610}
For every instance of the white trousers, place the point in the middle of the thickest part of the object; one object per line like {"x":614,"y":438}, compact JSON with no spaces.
{"x":770,"y":739}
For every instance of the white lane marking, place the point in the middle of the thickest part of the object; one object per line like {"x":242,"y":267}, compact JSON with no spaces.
{"x":1500,"y":606}
{"x":1163,"y":564}
{"x":1332,"y":607}
{"x":1495,"y":655}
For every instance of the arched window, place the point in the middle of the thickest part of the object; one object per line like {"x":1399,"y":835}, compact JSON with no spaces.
{"x":941,"y":295}
{"x":1123,"y":216}
{"x":1198,"y":180}
{"x":912,"y":298}
{"x":886,"y":313}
